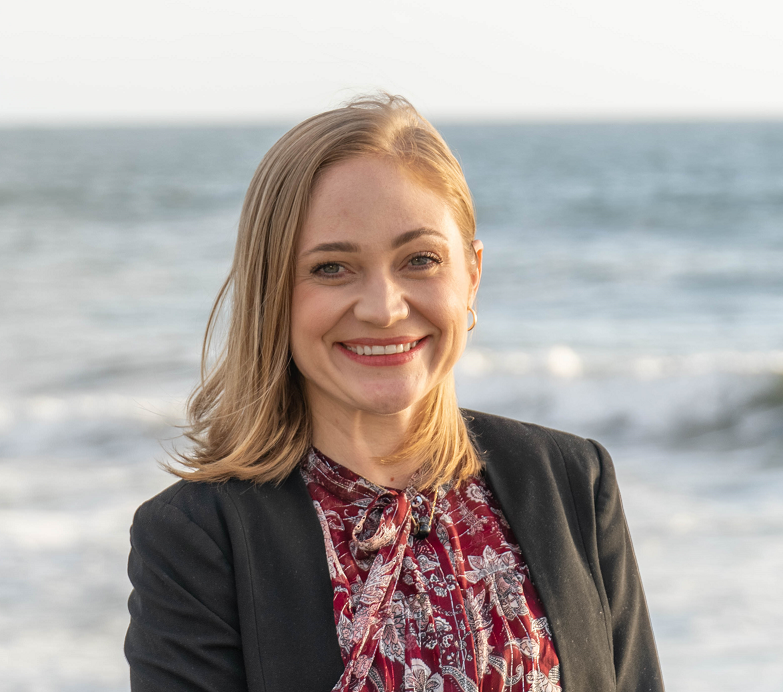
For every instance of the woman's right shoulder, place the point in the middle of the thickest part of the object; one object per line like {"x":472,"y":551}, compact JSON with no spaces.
{"x":194,"y":499}
{"x":195,"y":509}
{"x":222,"y":512}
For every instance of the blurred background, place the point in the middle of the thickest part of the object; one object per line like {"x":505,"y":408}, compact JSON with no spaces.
{"x":627,"y":165}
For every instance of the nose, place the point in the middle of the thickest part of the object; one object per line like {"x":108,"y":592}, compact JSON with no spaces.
{"x":381,"y":302}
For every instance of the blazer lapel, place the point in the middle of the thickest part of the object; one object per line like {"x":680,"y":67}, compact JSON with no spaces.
{"x":292,"y":595}
{"x":526,"y":472}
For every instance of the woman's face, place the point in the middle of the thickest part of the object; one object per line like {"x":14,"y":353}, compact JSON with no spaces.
{"x":381,"y":269}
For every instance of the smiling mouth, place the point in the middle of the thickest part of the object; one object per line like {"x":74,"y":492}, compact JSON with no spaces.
{"x":387,"y":350}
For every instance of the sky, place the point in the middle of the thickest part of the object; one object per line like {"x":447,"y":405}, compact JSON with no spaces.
{"x":85,"y":61}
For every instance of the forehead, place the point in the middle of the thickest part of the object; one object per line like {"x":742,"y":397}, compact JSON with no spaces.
{"x":370,"y":199}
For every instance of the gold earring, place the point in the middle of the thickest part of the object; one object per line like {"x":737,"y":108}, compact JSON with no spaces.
{"x":475,"y":317}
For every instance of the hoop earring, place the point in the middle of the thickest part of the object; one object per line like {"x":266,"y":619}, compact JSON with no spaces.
{"x":475,"y":317}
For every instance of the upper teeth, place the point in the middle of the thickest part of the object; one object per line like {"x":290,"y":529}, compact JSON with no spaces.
{"x":381,"y":350}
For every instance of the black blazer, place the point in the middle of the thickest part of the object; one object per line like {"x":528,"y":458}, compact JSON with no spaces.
{"x":232,"y":591}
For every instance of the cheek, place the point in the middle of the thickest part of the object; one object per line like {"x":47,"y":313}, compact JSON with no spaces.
{"x":307,"y":316}
{"x":447,"y":305}
{"x":315,"y":312}
{"x":447,"y":311}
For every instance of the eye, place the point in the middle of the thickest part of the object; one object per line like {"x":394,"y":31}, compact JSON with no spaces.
{"x":424,"y":260}
{"x":327,"y":269}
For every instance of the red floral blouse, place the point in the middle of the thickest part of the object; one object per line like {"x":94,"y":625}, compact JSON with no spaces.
{"x":453,"y":612}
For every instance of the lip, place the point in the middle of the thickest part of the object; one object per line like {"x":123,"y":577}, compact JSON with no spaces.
{"x":386,"y":359}
{"x":383,"y":342}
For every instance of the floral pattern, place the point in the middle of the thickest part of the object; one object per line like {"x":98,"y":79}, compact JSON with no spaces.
{"x":453,"y":612}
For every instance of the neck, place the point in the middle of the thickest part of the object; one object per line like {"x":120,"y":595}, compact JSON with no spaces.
{"x":359,"y":441}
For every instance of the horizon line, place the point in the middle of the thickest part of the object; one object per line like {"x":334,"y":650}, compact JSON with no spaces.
{"x":136,"y":122}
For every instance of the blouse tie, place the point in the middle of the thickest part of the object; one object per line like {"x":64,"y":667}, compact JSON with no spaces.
{"x":381,"y":535}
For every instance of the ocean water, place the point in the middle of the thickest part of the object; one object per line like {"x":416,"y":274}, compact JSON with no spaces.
{"x":633,"y":292}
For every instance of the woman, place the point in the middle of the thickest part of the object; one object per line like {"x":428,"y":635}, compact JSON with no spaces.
{"x":342,"y":524}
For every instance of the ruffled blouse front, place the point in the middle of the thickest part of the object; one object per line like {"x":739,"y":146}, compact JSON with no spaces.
{"x":453,"y":612}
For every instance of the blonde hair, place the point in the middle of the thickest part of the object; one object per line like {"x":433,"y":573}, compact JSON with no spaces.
{"x":248,"y":417}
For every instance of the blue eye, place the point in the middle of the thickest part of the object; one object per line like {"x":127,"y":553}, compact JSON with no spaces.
{"x":329,"y":269}
{"x":425,"y":260}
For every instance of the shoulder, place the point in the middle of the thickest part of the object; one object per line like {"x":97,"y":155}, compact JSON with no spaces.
{"x":506,"y":441}
{"x":197,"y":500}
{"x":222,"y":514}
{"x":202,"y":512}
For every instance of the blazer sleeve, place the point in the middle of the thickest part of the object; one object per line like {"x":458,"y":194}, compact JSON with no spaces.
{"x":635,"y":656}
{"x":184,"y":628}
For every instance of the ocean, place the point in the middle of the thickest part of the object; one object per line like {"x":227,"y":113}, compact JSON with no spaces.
{"x":632,"y":293}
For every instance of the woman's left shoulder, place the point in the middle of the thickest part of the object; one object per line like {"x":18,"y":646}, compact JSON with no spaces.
{"x":531,"y":444}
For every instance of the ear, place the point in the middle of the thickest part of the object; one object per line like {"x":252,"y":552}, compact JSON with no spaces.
{"x":475,"y":270}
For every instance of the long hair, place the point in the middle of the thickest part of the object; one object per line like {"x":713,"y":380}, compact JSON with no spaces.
{"x":248,"y":418}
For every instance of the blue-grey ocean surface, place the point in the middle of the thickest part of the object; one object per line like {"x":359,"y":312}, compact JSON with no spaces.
{"x":633,"y":292}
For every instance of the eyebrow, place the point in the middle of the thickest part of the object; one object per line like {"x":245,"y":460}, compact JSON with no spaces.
{"x":398,"y":242}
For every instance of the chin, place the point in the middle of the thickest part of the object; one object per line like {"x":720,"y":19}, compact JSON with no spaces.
{"x":388,"y":405}
{"x":386,"y":408}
